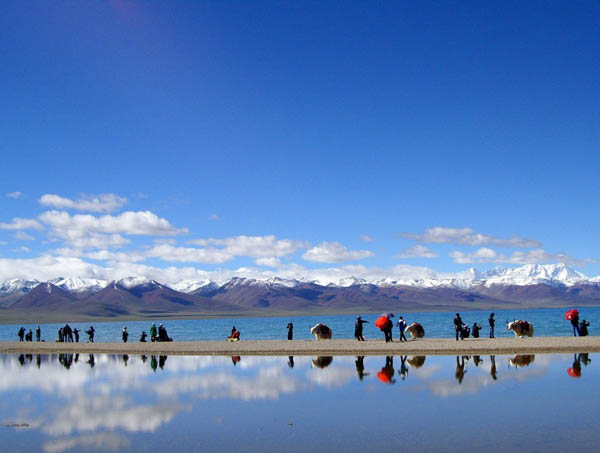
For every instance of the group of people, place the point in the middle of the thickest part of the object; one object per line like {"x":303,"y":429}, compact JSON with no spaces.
{"x":580,"y":329}
{"x":464,"y":331}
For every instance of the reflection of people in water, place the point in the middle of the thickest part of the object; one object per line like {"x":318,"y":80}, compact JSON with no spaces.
{"x":578,"y":360}
{"x":161,"y":361}
{"x":65,"y":360}
{"x":38,"y":360}
{"x":144,"y":358}
{"x":235,"y":359}
{"x":460,"y":369}
{"x":584,"y":358}
{"x":125,"y":359}
{"x":493,"y":368}
{"x":153,"y":363}
{"x":477,"y":360}
{"x":291,"y":361}
{"x":91,"y":361}
{"x":360,"y":367}
{"x":386,"y":374}
{"x":22,"y":359}
{"x":403,"y":368}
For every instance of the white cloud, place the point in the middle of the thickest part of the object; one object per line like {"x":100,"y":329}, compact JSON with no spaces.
{"x":271,"y":262}
{"x":168,"y":252}
{"x":418,"y":251}
{"x":213,"y":217}
{"x":467,"y":236}
{"x":366,"y":238}
{"x":22,"y":224}
{"x":88,"y":231}
{"x":22,"y":236}
{"x":253,"y":246}
{"x":537,"y":256}
{"x":14,"y":195}
{"x":334,"y":252}
{"x":92,"y":203}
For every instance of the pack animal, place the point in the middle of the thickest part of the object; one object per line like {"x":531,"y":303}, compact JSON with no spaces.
{"x":520,"y":328}
{"x":321,"y":332}
{"x":415,"y":330}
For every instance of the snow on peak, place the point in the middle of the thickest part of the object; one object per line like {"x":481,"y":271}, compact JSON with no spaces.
{"x":189,"y":286}
{"x":17,"y":284}
{"x":132,"y":282}
{"x":532,"y":274}
{"x":76,"y":284}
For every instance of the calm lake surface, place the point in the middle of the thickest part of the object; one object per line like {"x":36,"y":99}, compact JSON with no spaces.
{"x":547,"y":322}
{"x":59,"y":403}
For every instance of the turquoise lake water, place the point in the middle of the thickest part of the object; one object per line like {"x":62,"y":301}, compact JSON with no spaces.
{"x":71,"y":403}
{"x":547,"y":322}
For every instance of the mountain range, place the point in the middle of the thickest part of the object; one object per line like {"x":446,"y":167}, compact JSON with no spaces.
{"x":73,"y":298}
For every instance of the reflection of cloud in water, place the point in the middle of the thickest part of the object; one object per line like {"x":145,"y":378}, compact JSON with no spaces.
{"x":90,"y":414}
{"x":474,"y":383}
{"x":269,"y":383}
{"x":101,"y":441}
{"x":331,"y":377}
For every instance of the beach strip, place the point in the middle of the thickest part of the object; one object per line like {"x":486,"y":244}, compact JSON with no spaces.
{"x":432,"y":346}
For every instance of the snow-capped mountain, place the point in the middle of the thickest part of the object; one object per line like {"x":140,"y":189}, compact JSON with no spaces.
{"x":77,"y":285}
{"x":190,"y":286}
{"x":17,"y":285}
{"x":530,"y":274}
{"x":133,"y":282}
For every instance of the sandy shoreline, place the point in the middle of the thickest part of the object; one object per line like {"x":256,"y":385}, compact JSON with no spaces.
{"x":432,"y":346}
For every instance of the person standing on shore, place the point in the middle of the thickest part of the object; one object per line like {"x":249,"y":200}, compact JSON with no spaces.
{"x":583,"y":328}
{"x":358,"y":328}
{"x":492,"y":322}
{"x":290,"y":328}
{"x":21,"y":333}
{"x":458,"y":326}
{"x":575,"y":323}
{"x":125,"y":334}
{"x":476,"y":329}
{"x":387,"y":330}
{"x":402,"y":326}
{"x":76,"y":333}
{"x":90,"y":333}
{"x":153,"y":332}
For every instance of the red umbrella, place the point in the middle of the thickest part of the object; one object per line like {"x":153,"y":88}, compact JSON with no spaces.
{"x":574,"y":372}
{"x":571,"y":314}
{"x":381,"y":322}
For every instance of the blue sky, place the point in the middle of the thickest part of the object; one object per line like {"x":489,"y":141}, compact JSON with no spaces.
{"x":289,"y":137}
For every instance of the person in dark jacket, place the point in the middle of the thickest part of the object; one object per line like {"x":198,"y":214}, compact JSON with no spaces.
{"x":458,"y":326}
{"x":476,"y":329}
{"x":125,"y":334}
{"x":387,"y":330}
{"x":38,"y":334}
{"x":358,"y":328}
{"x":583,"y":328}
{"x":143,"y":337}
{"x":29,"y":336}
{"x":492,"y":322}
{"x":290,"y":328}
{"x":76,"y":333}
{"x":90,"y":333}
{"x":21,"y":333}
{"x":402,"y":326}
